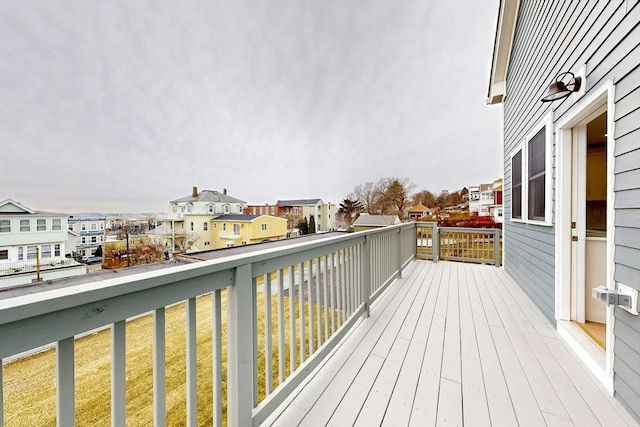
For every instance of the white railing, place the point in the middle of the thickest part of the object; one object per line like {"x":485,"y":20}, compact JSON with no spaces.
{"x":277,"y":313}
{"x":13,"y":267}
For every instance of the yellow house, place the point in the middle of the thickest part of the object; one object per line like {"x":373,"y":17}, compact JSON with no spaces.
{"x":236,"y":230}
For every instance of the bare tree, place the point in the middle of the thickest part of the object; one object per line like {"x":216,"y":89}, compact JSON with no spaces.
{"x":386,"y":197}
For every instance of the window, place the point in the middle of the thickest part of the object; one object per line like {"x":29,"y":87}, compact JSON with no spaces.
{"x":56,"y":249}
{"x":205,"y":226}
{"x":5,"y":226}
{"x":84,"y":227}
{"x":264,"y":227}
{"x":25,"y":225}
{"x":4,"y":254}
{"x":94,"y":239}
{"x":20,"y":253}
{"x":516,"y":185}
{"x":70,"y":226}
{"x":210,"y":208}
{"x":41,"y":225}
{"x":224,"y":226}
{"x":189,"y":206}
{"x":45,"y":251}
{"x":94,"y":226}
{"x":236,"y":228}
{"x":56,"y":224}
{"x":84,"y":240}
{"x":31,"y":252}
{"x":531,"y":176}
{"x":191,"y":225}
{"x":536,"y":176}
{"x":226,"y":209}
{"x":215,"y":225}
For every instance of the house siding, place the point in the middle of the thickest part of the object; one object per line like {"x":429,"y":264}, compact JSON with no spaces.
{"x":554,"y":36}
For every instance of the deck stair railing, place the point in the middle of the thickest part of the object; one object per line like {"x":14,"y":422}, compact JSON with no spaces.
{"x":477,"y":245}
{"x":277,"y":313}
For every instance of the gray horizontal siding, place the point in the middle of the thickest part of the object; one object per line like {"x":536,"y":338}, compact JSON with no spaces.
{"x":555,"y":36}
{"x":626,"y":364}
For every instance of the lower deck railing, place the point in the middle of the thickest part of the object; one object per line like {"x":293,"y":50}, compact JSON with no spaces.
{"x":478,"y":245}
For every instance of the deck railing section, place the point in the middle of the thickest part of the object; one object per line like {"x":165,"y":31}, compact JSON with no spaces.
{"x":277,"y":313}
{"x":478,"y":245}
{"x":29,"y":265}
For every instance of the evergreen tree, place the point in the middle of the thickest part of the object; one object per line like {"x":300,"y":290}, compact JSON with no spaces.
{"x":312,"y":225}
{"x":303,"y":226}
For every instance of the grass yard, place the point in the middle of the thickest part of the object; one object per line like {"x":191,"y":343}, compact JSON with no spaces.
{"x":29,"y":383}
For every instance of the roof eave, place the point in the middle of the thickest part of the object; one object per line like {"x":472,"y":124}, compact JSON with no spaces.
{"x":505,"y":31}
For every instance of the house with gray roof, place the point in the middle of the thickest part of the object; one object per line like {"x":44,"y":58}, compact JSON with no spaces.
{"x":366,"y":221}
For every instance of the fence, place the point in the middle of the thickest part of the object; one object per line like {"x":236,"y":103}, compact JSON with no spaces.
{"x":30,"y":265}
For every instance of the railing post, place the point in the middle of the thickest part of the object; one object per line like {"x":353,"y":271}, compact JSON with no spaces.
{"x":240,"y":349}
{"x":399,"y":253}
{"x":435,"y":240}
{"x":366,"y":275}
{"x":496,"y":246}
{"x":65,"y":382}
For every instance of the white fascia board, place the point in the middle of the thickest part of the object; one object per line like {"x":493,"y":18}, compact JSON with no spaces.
{"x":505,"y":31}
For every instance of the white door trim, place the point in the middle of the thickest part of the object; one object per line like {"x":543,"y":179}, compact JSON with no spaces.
{"x":604,"y":95}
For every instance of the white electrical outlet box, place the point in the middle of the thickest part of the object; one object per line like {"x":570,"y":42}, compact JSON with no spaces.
{"x":624,"y":292}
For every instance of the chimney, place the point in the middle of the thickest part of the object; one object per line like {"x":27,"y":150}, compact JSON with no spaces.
{"x":224,"y":191}
{"x":194,"y":193}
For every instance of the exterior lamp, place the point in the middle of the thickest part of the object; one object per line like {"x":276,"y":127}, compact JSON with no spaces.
{"x":559,"y":89}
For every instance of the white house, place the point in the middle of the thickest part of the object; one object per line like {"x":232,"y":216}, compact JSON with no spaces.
{"x":324,"y":214}
{"x":28,"y":238}
{"x":91,"y":234}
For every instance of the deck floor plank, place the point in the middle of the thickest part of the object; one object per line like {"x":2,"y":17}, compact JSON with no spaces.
{"x":399,"y":408}
{"x":452,"y":344}
{"x":474,"y":398}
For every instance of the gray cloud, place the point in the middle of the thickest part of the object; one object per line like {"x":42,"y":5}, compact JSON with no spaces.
{"x":123,"y":106}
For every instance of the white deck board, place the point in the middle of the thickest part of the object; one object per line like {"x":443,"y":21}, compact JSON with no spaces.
{"x":451,"y":344}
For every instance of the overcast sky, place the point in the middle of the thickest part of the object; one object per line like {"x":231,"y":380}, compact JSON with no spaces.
{"x":124,"y":106}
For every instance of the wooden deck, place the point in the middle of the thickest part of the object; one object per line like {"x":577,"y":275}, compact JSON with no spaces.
{"x":452,"y":344}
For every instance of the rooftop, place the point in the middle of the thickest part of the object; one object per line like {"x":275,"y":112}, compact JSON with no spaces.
{"x":208,"y":196}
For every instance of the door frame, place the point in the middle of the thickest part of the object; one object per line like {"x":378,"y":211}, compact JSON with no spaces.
{"x":603,"y":96}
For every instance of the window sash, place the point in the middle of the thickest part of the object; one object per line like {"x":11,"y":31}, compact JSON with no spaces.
{"x":516,"y":185}
{"x":56,"y":249}
{"x":45,"y":251}
{"x":4,"y":254}
{"x":31,"y":252}
{"x":25,"y":225}
{"x":56,"y":224}
{"x":41,"y":225}
{"x":5,"y":226}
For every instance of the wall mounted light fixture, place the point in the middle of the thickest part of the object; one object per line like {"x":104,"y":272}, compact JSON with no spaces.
{"x":559,"y":89}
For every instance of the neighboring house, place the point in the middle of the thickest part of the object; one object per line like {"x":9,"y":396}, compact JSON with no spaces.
{"x":28,"y":238}
{"x":481,"y":199}
{"x":90,"y":232}
{"x":367,"y":222}
{"x":239,"y":229}
{"x":190,"y":218}
{"x":295,"y":210}
{"x":497,"y":210}
{"x":265,"y":209}
{"x":572,"y":172}
{"x":419,"y":211}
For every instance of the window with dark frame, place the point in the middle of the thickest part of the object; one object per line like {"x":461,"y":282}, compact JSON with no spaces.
{"x":536,"y":153}
{"x":516,"y":186}
{"x":4,"y":254}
